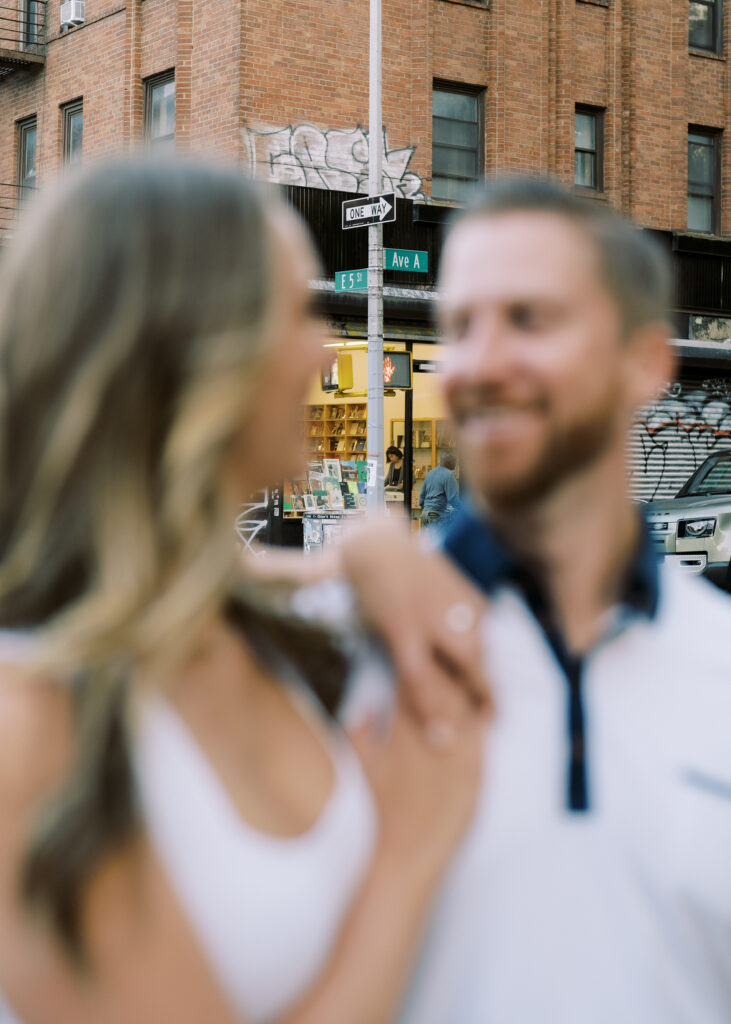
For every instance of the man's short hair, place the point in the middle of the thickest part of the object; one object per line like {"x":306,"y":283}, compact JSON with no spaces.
{"x":634,"y":267}
{"x":449,"y":460}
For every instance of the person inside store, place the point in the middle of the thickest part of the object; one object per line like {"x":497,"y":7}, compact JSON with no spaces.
{"x":394,"y":480}
{"x":186,"y":834}
{"x":440,"y":491}
{"x":594,"y":884}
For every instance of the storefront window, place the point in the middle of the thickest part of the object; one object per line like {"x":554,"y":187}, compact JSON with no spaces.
{"x":335,"y":444}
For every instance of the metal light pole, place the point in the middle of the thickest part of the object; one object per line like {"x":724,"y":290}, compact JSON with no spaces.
{"x":375,"y":264}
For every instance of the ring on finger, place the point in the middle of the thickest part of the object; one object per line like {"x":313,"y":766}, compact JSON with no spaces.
{"x":460,"y":617}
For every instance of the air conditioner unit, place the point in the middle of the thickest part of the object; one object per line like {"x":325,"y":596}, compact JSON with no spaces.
{"x":72,"y":13}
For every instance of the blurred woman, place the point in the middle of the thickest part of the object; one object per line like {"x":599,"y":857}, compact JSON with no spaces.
{"x":185,"y":833}
{"x":394,"y":480}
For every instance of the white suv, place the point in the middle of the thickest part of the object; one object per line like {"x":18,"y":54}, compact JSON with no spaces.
{"x":693,"y":529}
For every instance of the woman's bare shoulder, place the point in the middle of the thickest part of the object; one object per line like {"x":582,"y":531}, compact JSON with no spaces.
{"x":148,"y":967}
{"x":35,"y":736}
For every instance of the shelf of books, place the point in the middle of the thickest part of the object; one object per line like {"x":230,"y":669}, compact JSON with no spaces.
{"x":335,"y":443}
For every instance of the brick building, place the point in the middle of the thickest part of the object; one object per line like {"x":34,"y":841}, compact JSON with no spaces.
{"x":628,"y":100}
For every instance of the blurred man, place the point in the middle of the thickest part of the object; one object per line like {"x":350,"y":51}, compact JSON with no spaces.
{"x":595,"y":886}
{"x":439,"y":492}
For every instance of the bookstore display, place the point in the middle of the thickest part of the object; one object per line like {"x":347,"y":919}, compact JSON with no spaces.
{"x":337,"y":430}
{"x":322,"y":529}
{"x":335,"y":443}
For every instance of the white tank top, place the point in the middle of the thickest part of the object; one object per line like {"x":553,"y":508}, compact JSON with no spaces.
{"x":266,"y":910}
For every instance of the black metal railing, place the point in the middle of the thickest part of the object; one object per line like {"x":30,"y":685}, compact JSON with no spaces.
{"x":22,"y":33}
{"x":12,"y":200}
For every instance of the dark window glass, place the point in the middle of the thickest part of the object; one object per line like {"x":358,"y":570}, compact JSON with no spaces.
{"x":31,"y":14}
{"x":454,"y":133}
{"x":458,"y":105}
{"x":73,"y":131}
{"x":588,"y":131}
{"x":713,"y":477}
{"x":704,"y":24}
{"x":702,"y":180}
{"x":456,"y":163}
{"x":27,"y":133}
{"x":160,"y":111}
{"x":455,"y":143}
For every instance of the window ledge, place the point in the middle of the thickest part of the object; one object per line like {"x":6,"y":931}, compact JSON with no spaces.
{"x":599,"y":195}
{"x":708,"y":54}
{"x":596,"y":3}
{"x":708,"y":236}
{"x":482,"y":5}
{"x":447,"y":204}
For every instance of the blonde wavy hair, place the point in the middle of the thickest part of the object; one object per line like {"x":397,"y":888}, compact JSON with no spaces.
{"x":134,"y":310}
{"x":132,"y":314}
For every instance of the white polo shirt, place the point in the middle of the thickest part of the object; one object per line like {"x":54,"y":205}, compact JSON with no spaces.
{"x":619,"y":913}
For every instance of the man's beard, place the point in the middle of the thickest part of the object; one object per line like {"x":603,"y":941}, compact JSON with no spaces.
{"x":567,"y":452}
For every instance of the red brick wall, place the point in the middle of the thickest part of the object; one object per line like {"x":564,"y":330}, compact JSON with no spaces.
{"x":244,"y":65}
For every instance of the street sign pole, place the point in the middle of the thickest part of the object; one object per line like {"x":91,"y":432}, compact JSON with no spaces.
{"x":375,"y":267}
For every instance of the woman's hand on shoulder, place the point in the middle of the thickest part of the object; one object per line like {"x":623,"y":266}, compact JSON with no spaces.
{"x":425,"y":790}
{"x":427,"y":613}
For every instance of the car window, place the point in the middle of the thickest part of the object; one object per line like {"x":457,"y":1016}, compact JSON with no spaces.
{"x":714,"y":477}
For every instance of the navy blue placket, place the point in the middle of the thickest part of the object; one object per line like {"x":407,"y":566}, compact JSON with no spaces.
{"x":572,"y":668}
{"x":577,"y":797}
{"x":577,"y":782}
{"x":472,"y":544}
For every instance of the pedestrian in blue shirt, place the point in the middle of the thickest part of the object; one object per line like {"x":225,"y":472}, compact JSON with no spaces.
{"x":439,"y":493}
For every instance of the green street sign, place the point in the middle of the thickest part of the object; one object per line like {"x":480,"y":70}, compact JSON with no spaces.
{"x":351,"y":280}
{"x":413,"y":260}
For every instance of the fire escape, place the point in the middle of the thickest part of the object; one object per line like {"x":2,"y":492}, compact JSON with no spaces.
{"x":22,"y":34}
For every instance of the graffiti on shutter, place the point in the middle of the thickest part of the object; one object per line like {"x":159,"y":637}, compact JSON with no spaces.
{"x":672,"y":437}
{"x":251,"y":522}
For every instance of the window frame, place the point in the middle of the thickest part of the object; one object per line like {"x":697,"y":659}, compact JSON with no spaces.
{"x":598,"y":114}
{"x":715,"y":135}
{"x":716,"y":46}
{"x":29,"y":24}
{"x":149,"y":84}
{"x":68,"y":110}
{"x":462,"y":89}
{"x":22,"y":128}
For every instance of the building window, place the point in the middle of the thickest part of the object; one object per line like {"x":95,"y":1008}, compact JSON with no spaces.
{"x":456,"y":135}
{"x":160,"y":111}
{"x":27,"y":133}
{"x":704,"y":25}
{"x":703,"y":154}
{"x":72,"y":131}
{"x":30,"y":17}
{"x":589,"y":148}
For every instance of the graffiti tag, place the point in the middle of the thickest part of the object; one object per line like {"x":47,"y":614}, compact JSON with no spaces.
{"x":304,"y":154}
{"x":252,"y":520}
{"x":678,"y":432}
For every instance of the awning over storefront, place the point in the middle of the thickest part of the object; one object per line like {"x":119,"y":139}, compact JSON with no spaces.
{"x":393,"y":330}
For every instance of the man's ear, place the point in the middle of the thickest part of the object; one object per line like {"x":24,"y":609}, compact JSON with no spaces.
{"x":650,"y":363}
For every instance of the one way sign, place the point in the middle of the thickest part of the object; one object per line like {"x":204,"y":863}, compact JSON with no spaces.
{"x":361,"y":213}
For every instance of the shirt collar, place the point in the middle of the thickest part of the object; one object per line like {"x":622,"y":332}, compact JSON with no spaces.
{"x":471,"y":542}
